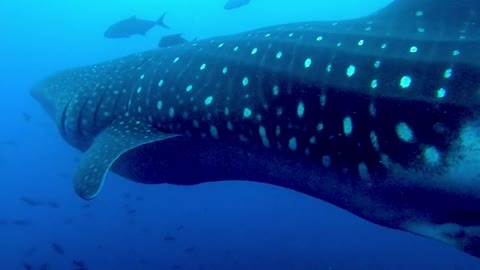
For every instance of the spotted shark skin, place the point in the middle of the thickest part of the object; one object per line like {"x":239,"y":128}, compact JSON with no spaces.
{"x":378,"y":115}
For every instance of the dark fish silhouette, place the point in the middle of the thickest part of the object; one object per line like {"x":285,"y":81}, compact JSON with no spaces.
{"x":30,"y":201}
{"x":232,"y":4}
{"x":26,"y":116}
{"x":78,"y":265}
{"x":169,"y":238}
{"x":379,"y":115}
{"x":53,"y":204}
{"x":189,"y":250}
{"x":21,"y":222}
{"x":171,"y":40}
{"x":58,"y":248}
{"x":133,"y":26}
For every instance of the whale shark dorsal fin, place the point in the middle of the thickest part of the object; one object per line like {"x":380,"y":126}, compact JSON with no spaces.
{"x":118,"y":138}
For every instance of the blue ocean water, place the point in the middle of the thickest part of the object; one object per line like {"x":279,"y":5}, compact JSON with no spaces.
{"x":227,"y":225}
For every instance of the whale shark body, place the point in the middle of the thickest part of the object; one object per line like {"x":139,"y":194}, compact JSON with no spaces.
{"x":378,"y":115}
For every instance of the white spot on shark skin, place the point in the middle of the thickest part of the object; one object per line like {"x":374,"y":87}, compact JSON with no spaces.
{"x":347,"y":126}
{"x":230,"y":126}
{"x":384,"y":46}
{"x":247,"y":113}
{"x":225,"y":70}
{"x":374,"y":140}
{"x":254,"y":51}
{"x":456,"y":53}
{"x":413,"y":49}
{"x":405,"y":82}
{"x":419,"y":13}
{"x":431,"y":156}
{"x":203,"y":66}
{"x":189,"y":88}
{"x":448,"y":73}
{"x":268,"y":35}
{"x":214,"y":132}
{"x":374,"y":84}
{"x":319,"y":127}
{"x":245,"y":81}
{"x":323,"y":100}
{"x":279,"y":55}
{"x":160,"y":83}
{"x":441,"y":93}
{"x":326,"y":161}
{"x":276,"y":90}
{"x":329,"y":68}
{"x":142,"y":76}
{"x":235,"y":49}
{"x":171,"y":112}
{"x":176,"y":59}
{"x":308,"y":62}
{"x":361,"y":42}
{"x":139,"y":90}
{"x":377,"y":64}
{"x":263,"y":135}
{"x":292,"y":144}
{"x":372,"y":109}
{"x":221,"y":45}
{"x":300,"y":109}
{"x":404,"y":132}
{"x":196,"y":124}
{"x":278,"y":131}
{"x":363,"y":171}
{"x":350,"y":71}
{"x":208,"y":100}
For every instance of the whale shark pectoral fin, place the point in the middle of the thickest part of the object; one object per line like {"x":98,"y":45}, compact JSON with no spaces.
{"x":118,"y":138}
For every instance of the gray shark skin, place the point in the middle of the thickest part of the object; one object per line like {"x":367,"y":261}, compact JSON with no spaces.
{"x":377,"y":115}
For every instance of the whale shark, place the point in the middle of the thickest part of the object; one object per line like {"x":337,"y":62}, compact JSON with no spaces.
{"x":378,"y":115}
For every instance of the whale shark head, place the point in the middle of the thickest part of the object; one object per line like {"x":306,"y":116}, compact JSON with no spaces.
{"x":378,"y":115}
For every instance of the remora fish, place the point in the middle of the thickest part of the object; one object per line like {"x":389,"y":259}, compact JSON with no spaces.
{"x":171,"y":40}
{"x":133,"y":26}
{"x":377,"y":115}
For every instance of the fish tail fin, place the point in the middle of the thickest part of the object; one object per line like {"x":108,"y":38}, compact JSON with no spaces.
{"x":160,"y":21}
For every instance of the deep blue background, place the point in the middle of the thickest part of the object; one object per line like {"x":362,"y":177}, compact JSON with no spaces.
{"x":229,"y":225}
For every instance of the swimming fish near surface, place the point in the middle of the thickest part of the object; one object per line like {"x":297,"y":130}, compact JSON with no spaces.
{"x":233,"y":4}
{"x":133,"y":26}
{"x":378,"y":115}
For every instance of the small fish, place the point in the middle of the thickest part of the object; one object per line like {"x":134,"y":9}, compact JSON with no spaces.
{"x":30,"y":201}
{"x":133,"y":26}
{"x":189,"y":250}
{"x":233,"y":4}
{"x":26,"y":116}
{"x":53,"y":204}
{"x":171,"y":40}
{"x":169,"y":238}
{"x":77,"y":264}
{"x":21,"y":222}
{"x":57,"y":248}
